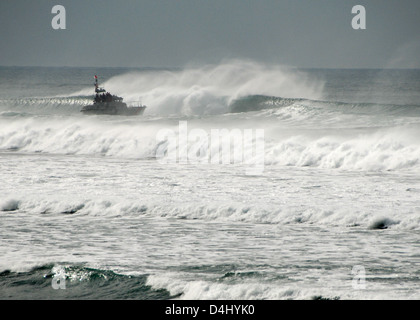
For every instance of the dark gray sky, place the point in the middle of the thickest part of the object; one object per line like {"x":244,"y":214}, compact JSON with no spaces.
{"x":173,"y":33}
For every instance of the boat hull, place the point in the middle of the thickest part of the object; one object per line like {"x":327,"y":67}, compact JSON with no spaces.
{"x":112,"y":108}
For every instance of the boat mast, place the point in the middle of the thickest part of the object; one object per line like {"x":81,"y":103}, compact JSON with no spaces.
{"x":97,"y":89}
{"x":96,"y":84}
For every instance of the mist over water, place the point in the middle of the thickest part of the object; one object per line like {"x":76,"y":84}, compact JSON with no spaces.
{"x":308,"y":116}
{"x":210,"y":89}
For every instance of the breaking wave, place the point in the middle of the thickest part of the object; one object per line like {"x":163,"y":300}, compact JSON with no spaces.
{"x":210,"y":89}
{"x":378,"y":150}
{"x":44,"y":106}
{"x":374,"y":149}
{"x":383,"y":217}
{"x":262,"y":102}
{"x":302,"y":128}
{"x":78,"y":280}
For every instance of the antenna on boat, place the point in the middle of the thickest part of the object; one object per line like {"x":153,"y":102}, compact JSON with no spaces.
{"x":97,"y":89}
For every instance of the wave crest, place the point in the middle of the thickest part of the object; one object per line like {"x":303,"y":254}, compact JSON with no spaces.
{"x":210,"y":89}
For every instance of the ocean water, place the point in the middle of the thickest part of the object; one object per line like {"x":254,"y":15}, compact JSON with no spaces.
{"x":112,"y":207}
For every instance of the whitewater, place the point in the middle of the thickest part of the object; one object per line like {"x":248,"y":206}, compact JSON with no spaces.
{"x":333,"y":211}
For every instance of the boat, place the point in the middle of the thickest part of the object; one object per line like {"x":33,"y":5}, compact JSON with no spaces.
{"x":108,"y":104}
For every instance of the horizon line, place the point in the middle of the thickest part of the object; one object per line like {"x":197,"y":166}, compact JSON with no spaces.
{"x":179,"y":67}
